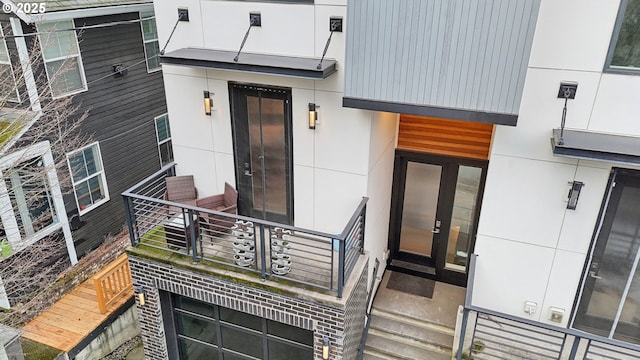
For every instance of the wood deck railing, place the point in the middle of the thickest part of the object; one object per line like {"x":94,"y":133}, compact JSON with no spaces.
{"x":112,"y":282}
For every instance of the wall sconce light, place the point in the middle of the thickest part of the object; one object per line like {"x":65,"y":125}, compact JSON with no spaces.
{"x":140,"y":295}
{"x":208,"y":103}
{"x":574,"y":193}
{"x":325,"y":348}
{"x":313,"y":115}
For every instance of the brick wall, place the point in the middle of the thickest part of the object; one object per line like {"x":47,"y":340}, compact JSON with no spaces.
{"x":355,"y":316}
{"x":341,"y":325}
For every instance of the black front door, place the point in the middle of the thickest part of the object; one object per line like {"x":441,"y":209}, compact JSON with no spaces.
{"x":434,"y":211}
{"x":261,"y":118}
{"x":610,"y":299}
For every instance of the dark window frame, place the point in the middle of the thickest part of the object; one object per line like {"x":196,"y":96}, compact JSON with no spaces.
{"x":608,"y":68}
{"x":170,"y":310}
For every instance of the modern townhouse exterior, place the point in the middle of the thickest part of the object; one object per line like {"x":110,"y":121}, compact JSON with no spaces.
{"x":104,"y":54}
{"x":489,"y":143}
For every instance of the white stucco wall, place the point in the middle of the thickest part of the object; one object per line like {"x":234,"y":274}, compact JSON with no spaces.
{"x":350,"y":153}
{"x":529,"y":246}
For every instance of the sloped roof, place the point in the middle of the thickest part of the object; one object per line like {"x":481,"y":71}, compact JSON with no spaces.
{"x":62,"y":5}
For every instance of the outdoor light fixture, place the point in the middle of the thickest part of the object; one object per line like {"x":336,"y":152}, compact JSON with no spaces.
{"x":325,"y":348}
{"x":574,"y":193}
{"x":313,"y":115}
{"x":140,"y":294}
{"x":208,"y":103}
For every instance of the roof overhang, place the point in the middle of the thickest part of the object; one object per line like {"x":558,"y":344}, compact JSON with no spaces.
{"x":431,"y":111}
{"x":252,"y":62}
{"x":78,"y":13}
{"x":591,"y":145}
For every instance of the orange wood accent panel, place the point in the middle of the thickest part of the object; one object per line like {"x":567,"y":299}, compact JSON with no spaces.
{"x":445,"y":137}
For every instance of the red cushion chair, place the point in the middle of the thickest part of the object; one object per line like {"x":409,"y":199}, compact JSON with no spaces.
{"x":226,"y":202}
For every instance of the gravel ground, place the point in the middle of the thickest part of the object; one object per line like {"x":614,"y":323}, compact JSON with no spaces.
{"x":130,"y":350}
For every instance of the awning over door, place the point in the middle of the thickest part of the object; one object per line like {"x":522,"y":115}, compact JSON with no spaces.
{"x":591,"y":145}
{"x":310,"y":68}
{"x":463,"y":59}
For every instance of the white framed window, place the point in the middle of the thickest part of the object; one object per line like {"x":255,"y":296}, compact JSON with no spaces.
{"x":150,"y":40}
{"x":8,"y":88}
{"x":61,"y":54}
{"x":163,"y":134}
{"x":88,"y":177}
{"x":31,"y":205}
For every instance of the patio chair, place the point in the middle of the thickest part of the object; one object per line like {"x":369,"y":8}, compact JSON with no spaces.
{"x":226,"y":202}
{"x":180,"y":189}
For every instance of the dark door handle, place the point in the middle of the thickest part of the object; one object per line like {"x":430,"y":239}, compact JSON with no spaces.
{"x":247,"y":170}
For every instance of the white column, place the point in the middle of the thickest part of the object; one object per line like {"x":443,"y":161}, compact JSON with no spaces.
{"x":23,"y":54}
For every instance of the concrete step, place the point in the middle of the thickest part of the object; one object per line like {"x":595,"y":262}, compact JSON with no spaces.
{"x":390,"y":348}
{"x":374,"y":355}
{"x":426,"y":333}
{"x":418,"y":323}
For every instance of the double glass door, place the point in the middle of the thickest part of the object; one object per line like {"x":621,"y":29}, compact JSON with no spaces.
{"x":610,"y":301}
{"x":261,"y":118}
{"x":435,"y":207}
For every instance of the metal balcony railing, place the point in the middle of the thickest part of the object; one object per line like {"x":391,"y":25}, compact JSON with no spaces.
{"x":487,"y":334}
{"x":277,"y":251}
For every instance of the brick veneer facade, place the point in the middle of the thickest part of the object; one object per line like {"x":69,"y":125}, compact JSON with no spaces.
{"x":342,"y":323}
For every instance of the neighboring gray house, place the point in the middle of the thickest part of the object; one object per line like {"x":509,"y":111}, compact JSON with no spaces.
{"x":111,"y":68}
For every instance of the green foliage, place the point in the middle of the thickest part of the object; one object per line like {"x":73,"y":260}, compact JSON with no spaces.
{"x":8,"y":130}
{"x":5,"y":248}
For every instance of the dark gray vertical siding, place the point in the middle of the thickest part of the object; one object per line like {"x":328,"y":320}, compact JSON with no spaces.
{"x":462,"y":54}
{"x":121,"y":112}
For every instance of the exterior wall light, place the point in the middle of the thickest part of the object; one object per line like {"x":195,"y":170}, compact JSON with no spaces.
{"x":140,"y":295}
{"x":208,"y":103}
{"x":313,"y":115}
{"x":574,"y":193}
{"x":325,"y":345}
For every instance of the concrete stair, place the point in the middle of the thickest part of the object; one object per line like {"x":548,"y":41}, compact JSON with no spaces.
{"x":393,"y":336}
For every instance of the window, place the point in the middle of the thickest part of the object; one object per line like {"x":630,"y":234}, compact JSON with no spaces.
{"x":30,"y":197}
{"x":624,"y":53}
{"x":163,"y":133}
{"x":89,"y":181}
{"x":205,"y":331}
{"x":8,"y":89}
{"x":61,"y":55}
{"x":150,"y":40}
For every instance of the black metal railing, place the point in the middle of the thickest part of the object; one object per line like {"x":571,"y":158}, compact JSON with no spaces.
{"x":307,"y":257}
{"x":487,"y":334}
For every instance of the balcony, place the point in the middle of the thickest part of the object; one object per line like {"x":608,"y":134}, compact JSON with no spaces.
{"x":488,"y":334}
{"x":261,"y":249}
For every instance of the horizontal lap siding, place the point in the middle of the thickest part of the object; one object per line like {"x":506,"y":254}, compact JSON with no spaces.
{"x":121,"y":113}
{"x":445,"y":137}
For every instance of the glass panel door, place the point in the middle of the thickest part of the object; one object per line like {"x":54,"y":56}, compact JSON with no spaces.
{"x":434,"y":211}
{"x":422,"y":188}
{"x":262,"y":145}
{"x":610,"y":302}
{"x":463,"y":217}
